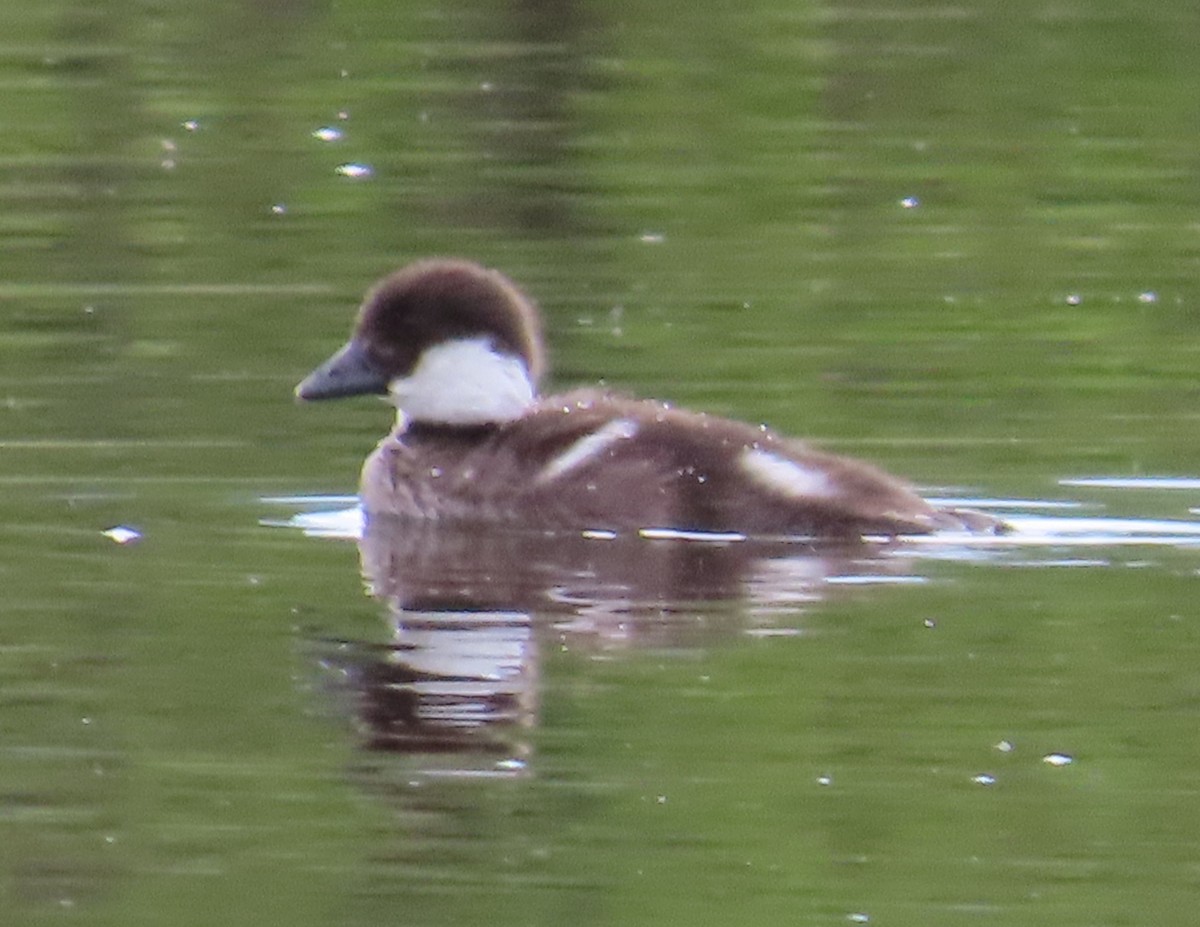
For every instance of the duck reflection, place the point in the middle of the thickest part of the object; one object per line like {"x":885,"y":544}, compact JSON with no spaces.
{"x":470,"y":609}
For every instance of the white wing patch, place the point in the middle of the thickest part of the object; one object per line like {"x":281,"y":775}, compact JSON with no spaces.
{"x":588,"y":447}
{"x":787,"y":477}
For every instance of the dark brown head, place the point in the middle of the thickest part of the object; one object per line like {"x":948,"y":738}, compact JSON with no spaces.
{"x":438,"y":300}
{"x":450,"y":340}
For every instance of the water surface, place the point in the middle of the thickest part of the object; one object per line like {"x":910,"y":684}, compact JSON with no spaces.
{"x":957,"y":240}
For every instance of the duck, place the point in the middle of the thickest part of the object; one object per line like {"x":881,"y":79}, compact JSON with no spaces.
{"x":457,"y":348}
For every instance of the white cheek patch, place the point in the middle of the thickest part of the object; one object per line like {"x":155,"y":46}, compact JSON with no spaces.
{"x":787,"y":477}
{"x":588,"y":447}
{"x":463,"y":382}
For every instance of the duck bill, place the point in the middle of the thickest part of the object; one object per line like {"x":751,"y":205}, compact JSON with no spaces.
{"x":348,"y":373}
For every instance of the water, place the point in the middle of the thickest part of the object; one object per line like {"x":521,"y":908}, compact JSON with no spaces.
{"x":954,"y":240}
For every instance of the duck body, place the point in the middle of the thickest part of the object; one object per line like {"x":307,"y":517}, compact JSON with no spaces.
{"x":591,"y":460}
{"x":457,"y":348}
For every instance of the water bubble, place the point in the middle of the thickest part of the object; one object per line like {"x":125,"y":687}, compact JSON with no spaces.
{"x":328,"y":134}
{"x":910,"y":202}
{"x":122,"y":534}
{"x":168,"y":163}
{"x":355,"y":170}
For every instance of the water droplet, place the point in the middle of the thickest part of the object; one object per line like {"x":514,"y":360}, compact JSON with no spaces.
{"x":354,"y":170}
{"x":487,"y":86}
{"x":661,"y":799}
{"x":1005,"y":746}
{"x":824,"y":780}
{"x":929,"y":623}
{"x":1074,"y":299}
{"x":858,"y":917}
{"x":328,"y":134}
{"x":1058,"y":759}
{"x":191,"y":125}
{"x":121,"y":534}
{"x":910,"y":202}
{"x":279,"y":209}
{"x":1149,"y":296}
{"x":984,"y":779}
{"x":652,"y":238}
{"x":343,"y":114}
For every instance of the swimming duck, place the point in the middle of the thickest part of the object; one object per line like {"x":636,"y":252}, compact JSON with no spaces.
{"x":457,"y":348}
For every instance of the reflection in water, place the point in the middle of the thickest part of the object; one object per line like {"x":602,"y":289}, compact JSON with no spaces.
{"x":458,"y":681}
{"x":470,"y":608}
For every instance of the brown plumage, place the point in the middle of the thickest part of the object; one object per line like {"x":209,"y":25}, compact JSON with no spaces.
{"x":490,"y":451}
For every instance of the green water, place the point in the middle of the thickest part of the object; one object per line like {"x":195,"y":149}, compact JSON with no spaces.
{"x":959,"y":240}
